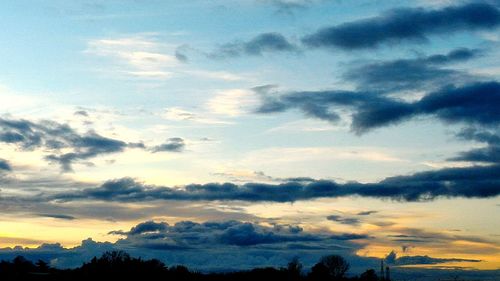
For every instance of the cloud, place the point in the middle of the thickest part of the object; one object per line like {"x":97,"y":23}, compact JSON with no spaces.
{"x":148,"y":227}
{"x":469,"y":182}
{"x":488,"y":154}
{"x":180,"y":53}
{"x":290,"y":6}
{"x":344,"y":220}
{"x":366,"y":213}
{"x":4,"y":165}
{"x":139,"y":56}
{"x":220,"y":245}
{"x":474,"y":103}
{"x":257,"y":46}
{"x":63,"y":144}
{"x":172,"y":145}
{"x":207,"y":245}
{"x":181,"y":114}
{"x":83,"y":113}
{"x":57,"y":216}
{"x":232,"y":102}
{"x":405,"y":25}
{"x":410,"y":74}
{"x":393,"y":259}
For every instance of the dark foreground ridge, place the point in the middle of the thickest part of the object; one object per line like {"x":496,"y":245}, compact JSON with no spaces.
{"x":118,"y":265}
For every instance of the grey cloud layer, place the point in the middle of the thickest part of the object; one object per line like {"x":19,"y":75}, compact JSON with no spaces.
{"x":473,"y":182}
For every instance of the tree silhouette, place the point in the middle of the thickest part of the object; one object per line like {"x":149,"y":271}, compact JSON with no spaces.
{"x":368,"y":275}
{"x":319,"y":272}
{"x":333,"y":267}
{"x":42,"y":266}
{"x":294,"y":269}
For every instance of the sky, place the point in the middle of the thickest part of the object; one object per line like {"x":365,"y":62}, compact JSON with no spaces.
{"x":233,"y":134}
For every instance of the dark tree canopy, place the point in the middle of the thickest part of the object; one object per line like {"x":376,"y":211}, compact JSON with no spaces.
{"x":118,"y":265}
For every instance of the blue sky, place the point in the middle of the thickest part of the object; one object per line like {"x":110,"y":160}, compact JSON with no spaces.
{"x":267,"y":114}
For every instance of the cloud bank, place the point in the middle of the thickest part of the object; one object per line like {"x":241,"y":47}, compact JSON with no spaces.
{"x":405,"y":25}
{"x":469,"y":182}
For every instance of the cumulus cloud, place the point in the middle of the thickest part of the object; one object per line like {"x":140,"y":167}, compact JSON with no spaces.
{"x":257,"y":46}
{"x":405,"y":25}
{"x":220,"y":245}
{"x":206,"y":245}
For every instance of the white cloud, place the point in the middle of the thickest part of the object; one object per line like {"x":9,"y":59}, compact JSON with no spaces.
{"x":308,"y":125}
{"x":141,"y":56}
{"x":216,"y":75}
{"x":233,"y":102}
{"x":180,"y":114}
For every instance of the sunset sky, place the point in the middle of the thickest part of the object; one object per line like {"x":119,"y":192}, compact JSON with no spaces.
{"x":234,"y":134}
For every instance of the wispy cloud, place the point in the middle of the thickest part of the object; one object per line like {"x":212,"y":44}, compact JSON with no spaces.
{"x":141,"y":55}
{"x":233,"y":102}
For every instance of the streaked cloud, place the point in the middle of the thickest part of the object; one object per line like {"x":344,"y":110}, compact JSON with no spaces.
{"x":405,"y":25}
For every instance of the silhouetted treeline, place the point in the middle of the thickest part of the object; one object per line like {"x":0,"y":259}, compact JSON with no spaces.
{"x":118,"y":264}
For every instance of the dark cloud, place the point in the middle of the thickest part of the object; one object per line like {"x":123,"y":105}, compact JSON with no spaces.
{"x":219,"y":245}
{"x":148,"y":226}
{"x":55,"y":137}
{"x":180,"y":53}
{"x":86,"y":147}
{"x":475,"y":181}
{"x":57,"y":216}
{"x":83,"y":113}
{"x":343,"y":220}
{"x":405,"y":25}
{"x":260,"y":44}
{"x":4,"y":165}
{"x":211,"y":245}
{"x":64,"y":145}
{"x":475,"y":103}
{"x":289,"y":7}
{"x":488,"y":154}
{"x":422,"y":237}
{"x":366,"y":213}
{"x":393,"y":259}
{"x":224,"y":235}
{"x":172,"y":145}
{"x":350,"y":236}
{"x":403,"y":74}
